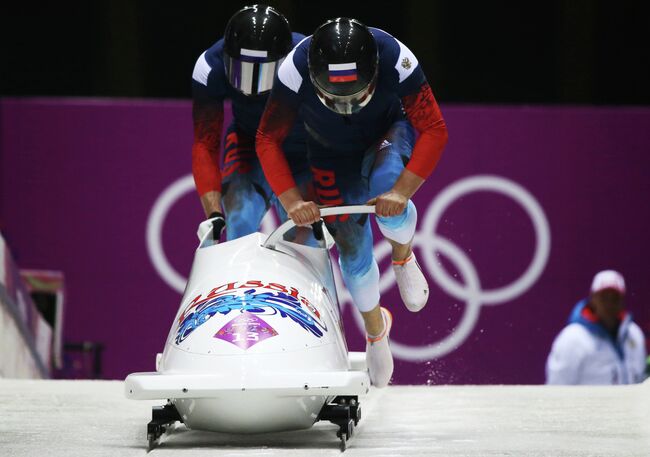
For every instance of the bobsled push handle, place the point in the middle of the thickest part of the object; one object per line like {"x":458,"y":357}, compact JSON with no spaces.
{"x":278,"y":234}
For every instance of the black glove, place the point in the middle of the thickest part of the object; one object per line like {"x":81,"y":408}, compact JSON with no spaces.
{"x":218,"y":224}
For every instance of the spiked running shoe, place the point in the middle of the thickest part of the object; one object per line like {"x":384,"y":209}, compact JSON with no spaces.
{"x":412,"y":284}
{"x":378,"y":356}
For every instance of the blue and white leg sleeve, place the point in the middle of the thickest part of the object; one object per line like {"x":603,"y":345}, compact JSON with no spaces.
{"x":400,"y":228}
{"x":363,"y":288}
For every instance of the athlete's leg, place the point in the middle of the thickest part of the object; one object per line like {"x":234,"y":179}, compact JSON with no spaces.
{"x":383,"y":164}
{"x":339,"y":185}
{"x":335,"y":184}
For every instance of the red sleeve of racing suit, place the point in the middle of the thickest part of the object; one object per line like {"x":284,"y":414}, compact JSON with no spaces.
{"x":274,"y":127}
{"x":208,"y":125}
{"x":423,"y":112}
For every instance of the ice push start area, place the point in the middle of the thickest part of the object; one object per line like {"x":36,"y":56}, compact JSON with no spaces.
{"x":93,"y":418}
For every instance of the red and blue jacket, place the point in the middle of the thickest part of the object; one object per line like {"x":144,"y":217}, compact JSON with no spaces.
{"x":210,"y":88}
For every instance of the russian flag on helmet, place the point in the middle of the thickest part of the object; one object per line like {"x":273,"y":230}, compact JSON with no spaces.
{"x":342,"y":72}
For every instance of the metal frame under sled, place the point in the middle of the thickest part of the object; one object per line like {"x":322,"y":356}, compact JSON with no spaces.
{"x":343,"y":411}
{"x":161,"y":418}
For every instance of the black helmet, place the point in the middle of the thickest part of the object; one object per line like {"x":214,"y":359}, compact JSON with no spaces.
{"x":257,"y":38}
{"x":343,"y":64}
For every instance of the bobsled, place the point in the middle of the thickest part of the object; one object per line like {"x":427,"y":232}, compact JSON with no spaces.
{"x":257,"y":344}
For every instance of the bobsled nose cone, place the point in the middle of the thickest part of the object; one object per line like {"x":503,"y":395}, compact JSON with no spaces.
{"x":412,"y":284}
{"x":378,"y":356}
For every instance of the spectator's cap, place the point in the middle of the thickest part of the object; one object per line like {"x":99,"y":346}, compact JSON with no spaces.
{"x":608,"y":279}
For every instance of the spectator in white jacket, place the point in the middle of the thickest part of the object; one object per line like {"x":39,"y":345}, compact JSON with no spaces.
{"x":601,"y":344}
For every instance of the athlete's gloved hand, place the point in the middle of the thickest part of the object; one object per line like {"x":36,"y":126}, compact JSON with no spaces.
{"x":215,"y":222}
{"x":303,"y":213}
{"x":389,"y":204}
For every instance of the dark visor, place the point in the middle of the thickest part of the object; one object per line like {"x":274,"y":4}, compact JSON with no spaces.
{"x":250,"y":75}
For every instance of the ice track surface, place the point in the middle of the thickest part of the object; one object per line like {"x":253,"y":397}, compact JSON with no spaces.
{"x":92,"y":418}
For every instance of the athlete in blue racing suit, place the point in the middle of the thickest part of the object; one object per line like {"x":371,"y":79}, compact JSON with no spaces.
{"x":359,"y":92}
{"x":241,"y":68}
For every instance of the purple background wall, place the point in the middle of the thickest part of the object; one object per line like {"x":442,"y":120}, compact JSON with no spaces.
{"x":78,"y":180}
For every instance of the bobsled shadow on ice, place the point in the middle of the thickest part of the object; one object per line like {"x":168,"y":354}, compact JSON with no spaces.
{"x":257,"y":344}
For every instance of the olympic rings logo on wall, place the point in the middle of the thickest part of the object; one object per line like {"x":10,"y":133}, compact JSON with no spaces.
{"x":427,"y":243}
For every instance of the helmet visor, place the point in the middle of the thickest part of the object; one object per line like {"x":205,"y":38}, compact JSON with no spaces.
{"x":346,"y":104}
{"x":251,"y":74}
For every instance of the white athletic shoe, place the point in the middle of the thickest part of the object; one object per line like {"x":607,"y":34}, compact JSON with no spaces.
{"x":412,"y":284}
{"x":378,"y":356}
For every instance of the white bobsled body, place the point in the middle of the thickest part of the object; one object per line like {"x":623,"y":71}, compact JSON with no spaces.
{"x":257,"y":344}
